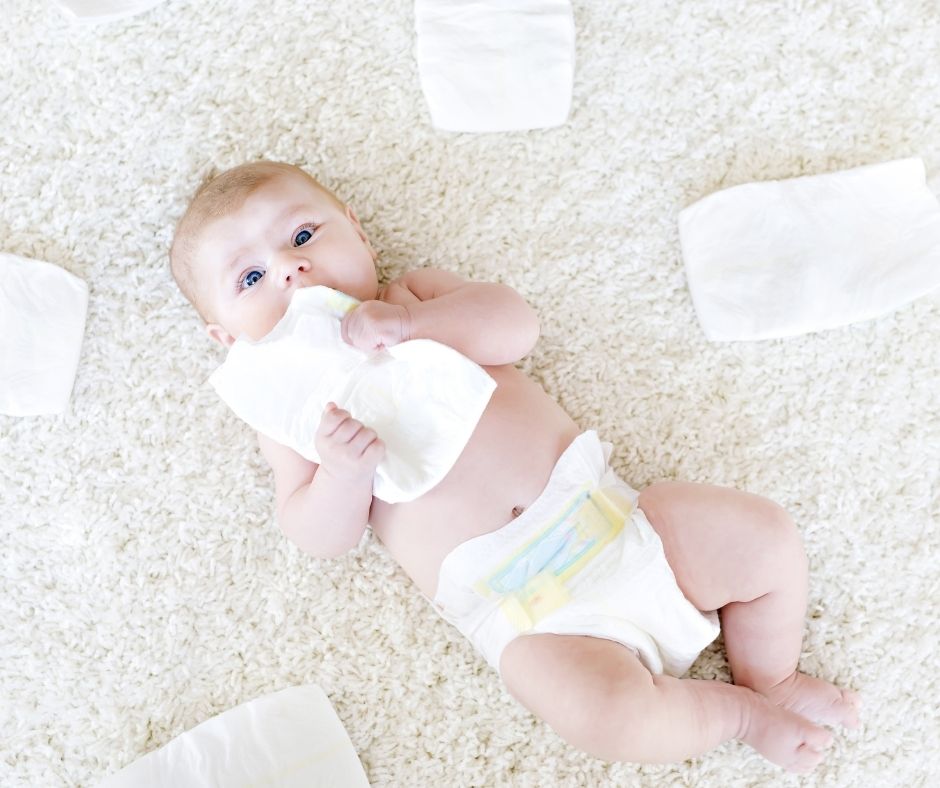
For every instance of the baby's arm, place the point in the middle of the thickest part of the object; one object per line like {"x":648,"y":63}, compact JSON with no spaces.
{"x":487,"y":322}
{"x":325,"y":509}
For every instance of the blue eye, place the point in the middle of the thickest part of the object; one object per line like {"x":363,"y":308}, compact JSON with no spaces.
{"x":302,"y":237}
{"x":252,"y":278}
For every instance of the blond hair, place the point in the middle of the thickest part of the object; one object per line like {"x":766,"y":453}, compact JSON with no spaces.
{"x":218,"y":196}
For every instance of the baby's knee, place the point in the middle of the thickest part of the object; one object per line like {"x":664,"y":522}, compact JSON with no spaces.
{"x":783,"y":541}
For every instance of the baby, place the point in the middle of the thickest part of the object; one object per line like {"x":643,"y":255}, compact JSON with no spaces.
{"x":589,"y":598}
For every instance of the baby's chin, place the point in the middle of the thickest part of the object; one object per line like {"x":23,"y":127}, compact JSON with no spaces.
{"x":257,"y":331}
{"x":361,"y":292}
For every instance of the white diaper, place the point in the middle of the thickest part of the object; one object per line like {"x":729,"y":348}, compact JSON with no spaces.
{"x":581,"y":560}
{"x":42,"y":322}
{"x":782,"y":258}
{"x":495,"y":65}
{"x":422,"y":398}
{"x":104,"y":10}
{"x":292,"y":738}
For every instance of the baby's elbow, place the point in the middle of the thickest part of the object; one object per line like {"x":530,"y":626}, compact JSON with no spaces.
{"x":316,"y":548}
{"x":311,"y":541}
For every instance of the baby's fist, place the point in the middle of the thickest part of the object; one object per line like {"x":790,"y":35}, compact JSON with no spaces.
{"x":376,"y":324}
{"x":347,"y":448}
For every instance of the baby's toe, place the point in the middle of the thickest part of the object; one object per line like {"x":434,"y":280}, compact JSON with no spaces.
{"x":818,"y":739}
{"x":807,"y":758}
{"x":851,"y":704}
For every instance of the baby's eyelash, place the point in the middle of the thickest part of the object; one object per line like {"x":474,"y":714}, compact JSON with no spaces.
{"x":244,"y":275}
{"x":310,"y":228}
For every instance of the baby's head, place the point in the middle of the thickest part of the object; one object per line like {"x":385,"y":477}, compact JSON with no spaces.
{"x":254,"y":234}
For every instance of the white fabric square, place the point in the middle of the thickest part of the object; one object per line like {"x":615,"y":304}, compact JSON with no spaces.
{"x":495,"y":65}
{"x":422,"y":398}
{"x":291,"y":739}
{"x":42,"y":320}
{"x":104,"y":10}
{"x":782,"y":258}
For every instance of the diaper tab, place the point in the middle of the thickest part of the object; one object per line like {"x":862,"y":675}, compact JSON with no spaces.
{"x":332,"y":301}
{"x":542,"y":595}
{"x":318,"y":300}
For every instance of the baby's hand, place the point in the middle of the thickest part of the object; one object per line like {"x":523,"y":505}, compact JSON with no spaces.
{"x":347,"y":448}
{"x":376,"y":324}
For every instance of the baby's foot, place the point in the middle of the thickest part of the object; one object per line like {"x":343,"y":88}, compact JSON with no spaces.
{"x":785,"y":738}
{"x":816,"y":700}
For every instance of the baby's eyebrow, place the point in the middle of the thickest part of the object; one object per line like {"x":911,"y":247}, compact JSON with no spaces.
{"x":231,"y":262}
{"x":291,"y":212}
{"x":278,"y":223}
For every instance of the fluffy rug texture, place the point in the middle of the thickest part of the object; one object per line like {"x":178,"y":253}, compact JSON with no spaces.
{"x":145,"y":585}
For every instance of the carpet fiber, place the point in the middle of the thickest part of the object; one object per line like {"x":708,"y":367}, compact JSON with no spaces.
{"x":145,"y":586}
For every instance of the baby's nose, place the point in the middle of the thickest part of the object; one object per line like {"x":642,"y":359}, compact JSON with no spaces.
{"x":288,"y":269}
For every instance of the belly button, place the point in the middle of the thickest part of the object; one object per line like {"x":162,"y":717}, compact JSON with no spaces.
{"x":517,"y":510}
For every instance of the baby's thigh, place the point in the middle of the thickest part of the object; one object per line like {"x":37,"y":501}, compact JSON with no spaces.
{"x":723,"y":545}
{"x":578,"y":685}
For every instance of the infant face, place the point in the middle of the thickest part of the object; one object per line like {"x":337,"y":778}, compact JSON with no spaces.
{"x":287,"y":234}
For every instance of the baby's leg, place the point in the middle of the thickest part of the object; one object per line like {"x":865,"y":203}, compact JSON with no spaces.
{"x":742,"y":554}
{"x":597,"y":695}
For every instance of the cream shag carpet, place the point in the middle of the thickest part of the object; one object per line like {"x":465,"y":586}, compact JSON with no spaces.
{"x":145,"y":586}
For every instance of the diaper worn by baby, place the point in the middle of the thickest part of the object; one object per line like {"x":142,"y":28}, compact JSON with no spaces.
{"x":581,"y":560}
{"x":422,"y":398}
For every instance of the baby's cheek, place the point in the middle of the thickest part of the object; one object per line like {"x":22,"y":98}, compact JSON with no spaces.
{"x":264,"y":321}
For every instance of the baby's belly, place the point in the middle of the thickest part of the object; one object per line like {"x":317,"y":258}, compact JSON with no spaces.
{"x":504,"y":467}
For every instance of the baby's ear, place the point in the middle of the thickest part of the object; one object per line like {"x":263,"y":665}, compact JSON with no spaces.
{"x":351,"y":215}
{"x":219,"y":334}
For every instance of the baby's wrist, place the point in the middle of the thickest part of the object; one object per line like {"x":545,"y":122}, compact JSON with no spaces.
{"x":406,"y":323}
{"x":346,"y":476}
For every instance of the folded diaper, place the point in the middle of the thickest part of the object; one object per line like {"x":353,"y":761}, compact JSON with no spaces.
{"x":42,"y":319}
{"x":782,"y":258}
{"x":495,"y":65}
{"x":422,"y":398}
{"x":289,"y":739}
{"x":104,"y":10}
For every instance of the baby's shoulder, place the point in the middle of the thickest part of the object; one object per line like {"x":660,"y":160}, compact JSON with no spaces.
{"x":421,"y":284}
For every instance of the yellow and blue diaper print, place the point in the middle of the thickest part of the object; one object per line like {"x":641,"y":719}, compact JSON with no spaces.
{"x":536,"y":579}
{"x":338,"y":303}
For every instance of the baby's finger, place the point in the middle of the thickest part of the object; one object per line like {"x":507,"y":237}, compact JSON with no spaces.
{"x":332,"y":417}
{"x":361,"y":441}
{"x":344,"y":327}
{"x":347,"y":430}
{"x":374,"y":452}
